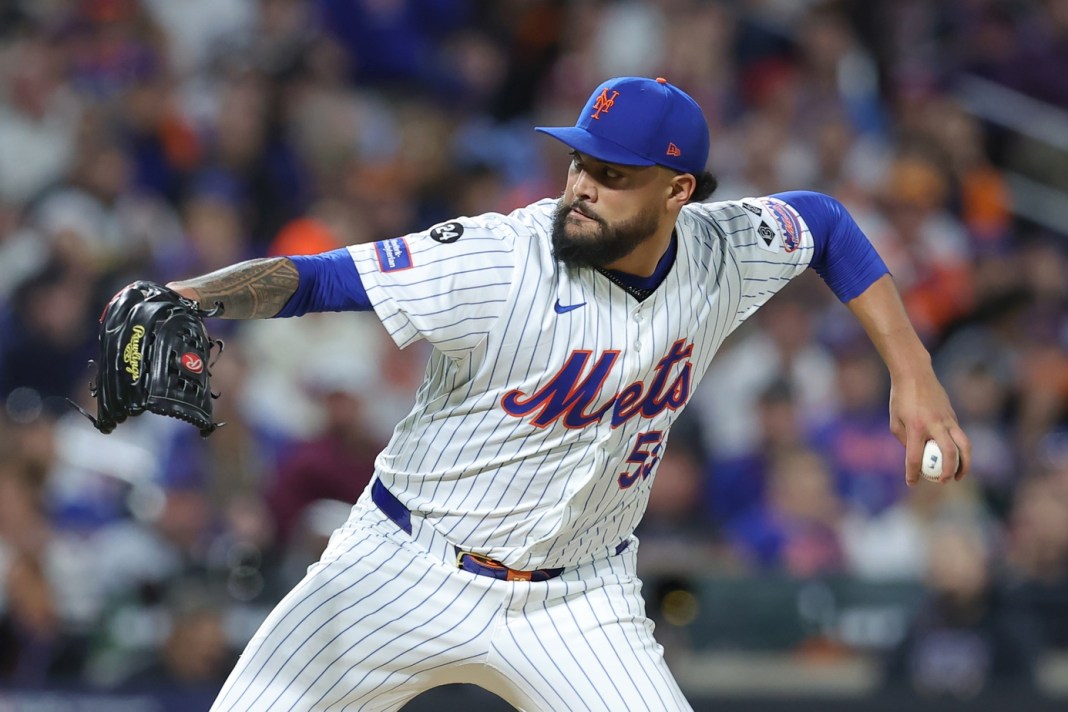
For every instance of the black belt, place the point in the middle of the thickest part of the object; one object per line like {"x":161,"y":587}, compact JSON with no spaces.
{"x":475,"y":563}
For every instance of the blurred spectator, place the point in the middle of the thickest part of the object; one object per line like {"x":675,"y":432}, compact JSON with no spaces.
{"x":22,"y":251}
{"x":965,"y":638}
{"x":94,"y":480}
{"x":924,"y":244}
{"x":283,"y":33}
{"x":395,"y":42}
{"x":979,"y":193}
{"x":781,"y":346}
{"x":838,"y":76}
{"x":981,"y":392}
{"x":201,"y":30}
{"x":249,"y":160}
{"x":195,"y":651}
{"x":764,"y":155}
{"x":173,"y":549}
{"x":848,"y":165}
{"x":351,"y":347}
{"x":39,"y":118}
{"x":1043,"y":48}
{"x":112,"y":47}
{"x":233,"y":463}
{"x":1043,"y":350}
{"x":45,"y":624}
{"x":97,"y":219}
{"x":216,"y":234}
{"x":796,"y":528}
{"x":337,"y":464}
{"x":1037,"y":556}
{"x":891,"y":545}
{"x":733,"y":485}
{"x":865,"y":457}
{"x":168,"y":541}
{"x":163,"y":147}
{"x":45,"y":341}
{"x":675,"y":532}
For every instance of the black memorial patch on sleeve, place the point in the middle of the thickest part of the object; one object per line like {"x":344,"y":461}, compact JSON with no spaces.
{"x":447,"y":233}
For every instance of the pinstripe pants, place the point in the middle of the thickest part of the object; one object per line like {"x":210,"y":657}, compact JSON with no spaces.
{"x":384,"y":616}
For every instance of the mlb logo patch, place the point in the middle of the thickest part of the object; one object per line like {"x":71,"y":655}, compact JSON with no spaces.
{"x":393,"y":255}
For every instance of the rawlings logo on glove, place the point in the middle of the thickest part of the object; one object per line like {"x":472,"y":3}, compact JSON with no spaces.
{"x":131,"y":355}
{"x":153,"y":351}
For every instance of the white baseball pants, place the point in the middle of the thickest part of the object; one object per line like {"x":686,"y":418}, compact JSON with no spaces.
{"x":385,"y":615}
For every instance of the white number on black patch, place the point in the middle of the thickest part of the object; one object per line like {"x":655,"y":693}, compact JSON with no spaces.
{"x":447,"y":233}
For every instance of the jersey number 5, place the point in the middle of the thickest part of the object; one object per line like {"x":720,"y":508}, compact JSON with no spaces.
{"x":645,"y":455}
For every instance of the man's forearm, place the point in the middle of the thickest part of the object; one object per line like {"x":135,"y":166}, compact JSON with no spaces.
{"x":256,"y":289}
{"x":919,"y":406}
{"x":882,"y":314}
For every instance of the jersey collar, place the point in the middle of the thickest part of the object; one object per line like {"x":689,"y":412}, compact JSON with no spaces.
{"x":641,"y":288}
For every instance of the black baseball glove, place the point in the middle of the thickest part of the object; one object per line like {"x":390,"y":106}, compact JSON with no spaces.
{"x":154,"y":355}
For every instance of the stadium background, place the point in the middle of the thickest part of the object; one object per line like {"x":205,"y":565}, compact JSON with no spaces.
{"x":785,"y":562}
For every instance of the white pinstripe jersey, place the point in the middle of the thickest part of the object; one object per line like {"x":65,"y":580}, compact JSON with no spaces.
{"x":548,"y":398}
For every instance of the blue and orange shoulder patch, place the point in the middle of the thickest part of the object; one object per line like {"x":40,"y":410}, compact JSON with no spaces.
{"x":789,"y":225}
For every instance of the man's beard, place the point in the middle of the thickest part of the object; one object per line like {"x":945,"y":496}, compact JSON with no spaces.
{"x":610,"y":243}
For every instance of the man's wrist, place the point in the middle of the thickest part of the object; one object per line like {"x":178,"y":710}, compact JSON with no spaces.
{"x":185,"y":291}
{"x":912,"y":364}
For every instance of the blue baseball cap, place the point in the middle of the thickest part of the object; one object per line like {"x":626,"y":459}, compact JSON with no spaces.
{"x":636,"y":121}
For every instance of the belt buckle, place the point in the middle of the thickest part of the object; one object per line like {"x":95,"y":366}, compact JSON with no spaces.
{"x":509,"y":574}
{"x":479,"y":559}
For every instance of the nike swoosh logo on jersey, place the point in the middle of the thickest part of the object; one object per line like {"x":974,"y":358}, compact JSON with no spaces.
{"x":562,"y":309}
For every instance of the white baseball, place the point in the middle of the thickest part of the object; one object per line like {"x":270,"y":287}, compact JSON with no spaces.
{"x":931,"y":465}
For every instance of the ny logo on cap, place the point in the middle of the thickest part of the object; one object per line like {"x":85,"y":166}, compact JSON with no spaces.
{"x":604,"y":103}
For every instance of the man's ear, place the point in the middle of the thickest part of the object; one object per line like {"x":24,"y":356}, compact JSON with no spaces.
{"x":682,"y":187}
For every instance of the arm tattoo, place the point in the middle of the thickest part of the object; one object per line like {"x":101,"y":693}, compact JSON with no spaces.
{"x":255,"y":289}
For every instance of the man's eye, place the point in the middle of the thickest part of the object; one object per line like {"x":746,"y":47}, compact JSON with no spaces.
{"x":612,"y":175}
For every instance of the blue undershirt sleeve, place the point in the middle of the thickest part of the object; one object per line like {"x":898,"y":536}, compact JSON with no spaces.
{"x":328,"y":282}
{"x":842,"y":254}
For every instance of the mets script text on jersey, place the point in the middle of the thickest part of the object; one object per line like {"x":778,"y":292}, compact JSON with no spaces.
{"x":566,"y":396}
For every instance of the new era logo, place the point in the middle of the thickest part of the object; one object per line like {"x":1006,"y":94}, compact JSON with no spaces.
{"x":673,"y":150}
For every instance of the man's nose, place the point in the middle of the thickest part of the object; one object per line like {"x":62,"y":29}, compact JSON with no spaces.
{"x":584,"y":187}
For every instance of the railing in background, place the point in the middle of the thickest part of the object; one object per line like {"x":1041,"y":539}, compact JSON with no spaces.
{"x":1033,"y":199}
{"x":772,"y":637}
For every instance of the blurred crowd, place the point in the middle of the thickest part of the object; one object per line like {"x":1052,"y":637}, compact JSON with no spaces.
{"x":156,"y":139}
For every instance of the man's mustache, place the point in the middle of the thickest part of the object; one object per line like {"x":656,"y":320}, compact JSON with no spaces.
{"x":582,"y":208}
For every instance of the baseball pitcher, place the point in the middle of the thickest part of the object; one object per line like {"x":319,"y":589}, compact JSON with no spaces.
{"x":495,"y":544}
